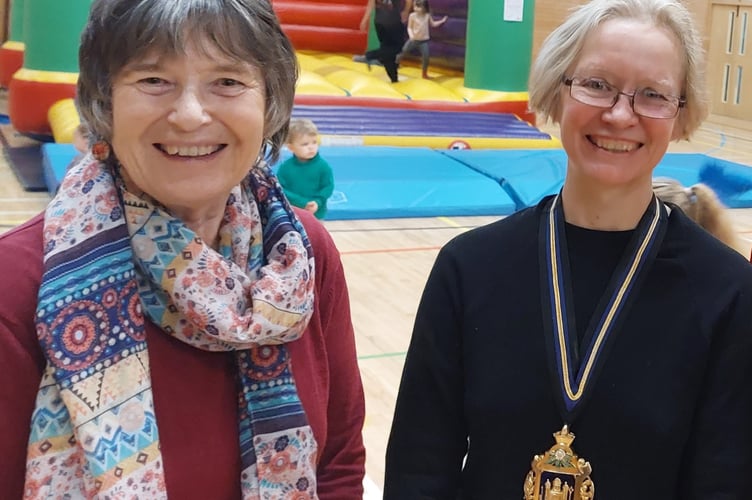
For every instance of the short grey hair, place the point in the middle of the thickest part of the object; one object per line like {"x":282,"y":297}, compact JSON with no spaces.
{"x":563,"y":46}
{"x":120,"y":31}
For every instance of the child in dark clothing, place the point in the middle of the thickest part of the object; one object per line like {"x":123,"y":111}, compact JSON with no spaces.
{"x":389,"y":19}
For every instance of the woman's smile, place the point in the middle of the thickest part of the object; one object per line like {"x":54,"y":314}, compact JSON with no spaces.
{"x":613,"y":145}
{"x":192,"y":151}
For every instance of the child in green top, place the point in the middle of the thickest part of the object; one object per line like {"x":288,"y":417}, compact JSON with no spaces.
{"x":306,"y":177}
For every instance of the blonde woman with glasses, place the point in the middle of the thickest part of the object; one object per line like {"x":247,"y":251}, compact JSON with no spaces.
{"x":597,"y":345}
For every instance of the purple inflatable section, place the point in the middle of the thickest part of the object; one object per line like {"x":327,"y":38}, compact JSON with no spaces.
{"x":357,"y":121}
{"x":454,"y":30}
{"x":451,"y":8}
{"x":448,"y":41}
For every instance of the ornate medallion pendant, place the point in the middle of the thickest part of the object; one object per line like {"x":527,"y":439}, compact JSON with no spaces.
{"x":559,"y":474}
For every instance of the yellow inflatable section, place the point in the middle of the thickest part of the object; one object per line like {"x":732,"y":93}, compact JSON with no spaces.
{"x":357,"y":105}
{"x":334,"y":79}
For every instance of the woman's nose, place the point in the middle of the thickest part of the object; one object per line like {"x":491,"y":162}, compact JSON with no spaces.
{"x":189,"y":111}
{"x":621,"y":111}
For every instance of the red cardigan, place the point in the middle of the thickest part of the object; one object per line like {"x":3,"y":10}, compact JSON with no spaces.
{"x":195,"y":391}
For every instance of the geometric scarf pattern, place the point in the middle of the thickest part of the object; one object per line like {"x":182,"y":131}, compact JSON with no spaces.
{"x":112,"y":259}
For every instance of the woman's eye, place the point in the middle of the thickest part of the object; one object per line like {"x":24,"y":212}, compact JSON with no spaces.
{"x":229,"y":87}
{"x":153,"y":85}
{"x":596,"y":84}
{"x":653,"y":95}
{"x":152,"y":80}
{"x":229,"y":82}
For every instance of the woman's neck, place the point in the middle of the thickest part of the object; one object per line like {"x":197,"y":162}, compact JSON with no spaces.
{"x":206,"y":228}
{"x":205,"y":221}
{"x":617,"y":209}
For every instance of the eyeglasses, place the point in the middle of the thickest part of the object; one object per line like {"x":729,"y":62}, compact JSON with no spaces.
{"x":644,"y":102}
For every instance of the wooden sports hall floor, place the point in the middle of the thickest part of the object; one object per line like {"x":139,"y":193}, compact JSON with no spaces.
{"x":386,"y":262}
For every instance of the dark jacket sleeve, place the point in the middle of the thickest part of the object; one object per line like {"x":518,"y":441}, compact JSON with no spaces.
{"x":21,"y":360}
{"x":428,"y":440}
{"x":342,"y":459}
{"x":718,"y":461}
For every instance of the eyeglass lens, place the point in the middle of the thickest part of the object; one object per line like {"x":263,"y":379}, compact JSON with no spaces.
{"x":644,"y":102}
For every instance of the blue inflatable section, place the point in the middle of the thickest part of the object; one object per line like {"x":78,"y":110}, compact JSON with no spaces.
{"x":383,"y":182}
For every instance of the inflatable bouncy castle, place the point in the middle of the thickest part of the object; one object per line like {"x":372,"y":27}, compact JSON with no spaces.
{"x":473,"y":71}
{"x":48,"y":75}
{"x":12,"y":51}
{"x":480,"y":59}
{"x":472,"y":66}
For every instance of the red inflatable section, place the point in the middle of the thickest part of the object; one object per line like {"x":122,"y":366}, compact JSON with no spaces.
{"x":519,"y":108}
{"x":11,"y":61}
{"x":32,"y":100}
{"x":323,"y":25}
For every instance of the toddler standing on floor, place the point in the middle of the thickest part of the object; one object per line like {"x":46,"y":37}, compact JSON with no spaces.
{"x":419,"y":25}
{"x":306,"y":178}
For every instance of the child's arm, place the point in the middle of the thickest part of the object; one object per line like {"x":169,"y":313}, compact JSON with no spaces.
{"x":327,"y":183}
{"x":411,"y":26}
{"x":435,"y":23}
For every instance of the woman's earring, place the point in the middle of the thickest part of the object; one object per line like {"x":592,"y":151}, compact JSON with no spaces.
{"x":101,"y":150}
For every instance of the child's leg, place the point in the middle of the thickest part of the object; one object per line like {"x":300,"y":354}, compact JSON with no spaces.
{"x":405,"y":50}
{"x":423,"y":47}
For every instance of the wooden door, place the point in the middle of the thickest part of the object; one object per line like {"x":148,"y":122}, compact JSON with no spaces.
{"x":729,"y":60}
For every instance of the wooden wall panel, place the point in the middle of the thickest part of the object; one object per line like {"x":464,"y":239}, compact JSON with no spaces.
{"x":550,"y":13}
{"x":4,"y":19}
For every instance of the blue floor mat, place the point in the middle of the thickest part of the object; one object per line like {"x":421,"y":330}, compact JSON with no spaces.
{"x":377,"y":182}
{"x":525,"y":175}
{"x":381,"y":182}
{"x":529,"y":175}
{"x":55,"y":160}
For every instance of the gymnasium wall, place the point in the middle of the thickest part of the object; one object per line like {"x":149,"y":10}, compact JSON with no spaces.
{"x":550,"y":13}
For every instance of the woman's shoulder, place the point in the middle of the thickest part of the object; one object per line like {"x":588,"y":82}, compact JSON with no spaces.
{"x":21,"y":270}
{"x":507,"y":232}
{"x":321,"y":241}
{"x":703,"y":256}
{"x":21,"y":248}
{"x":30,"y":229}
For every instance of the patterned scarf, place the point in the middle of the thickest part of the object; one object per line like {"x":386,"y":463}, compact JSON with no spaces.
{"x":109,"y":258}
